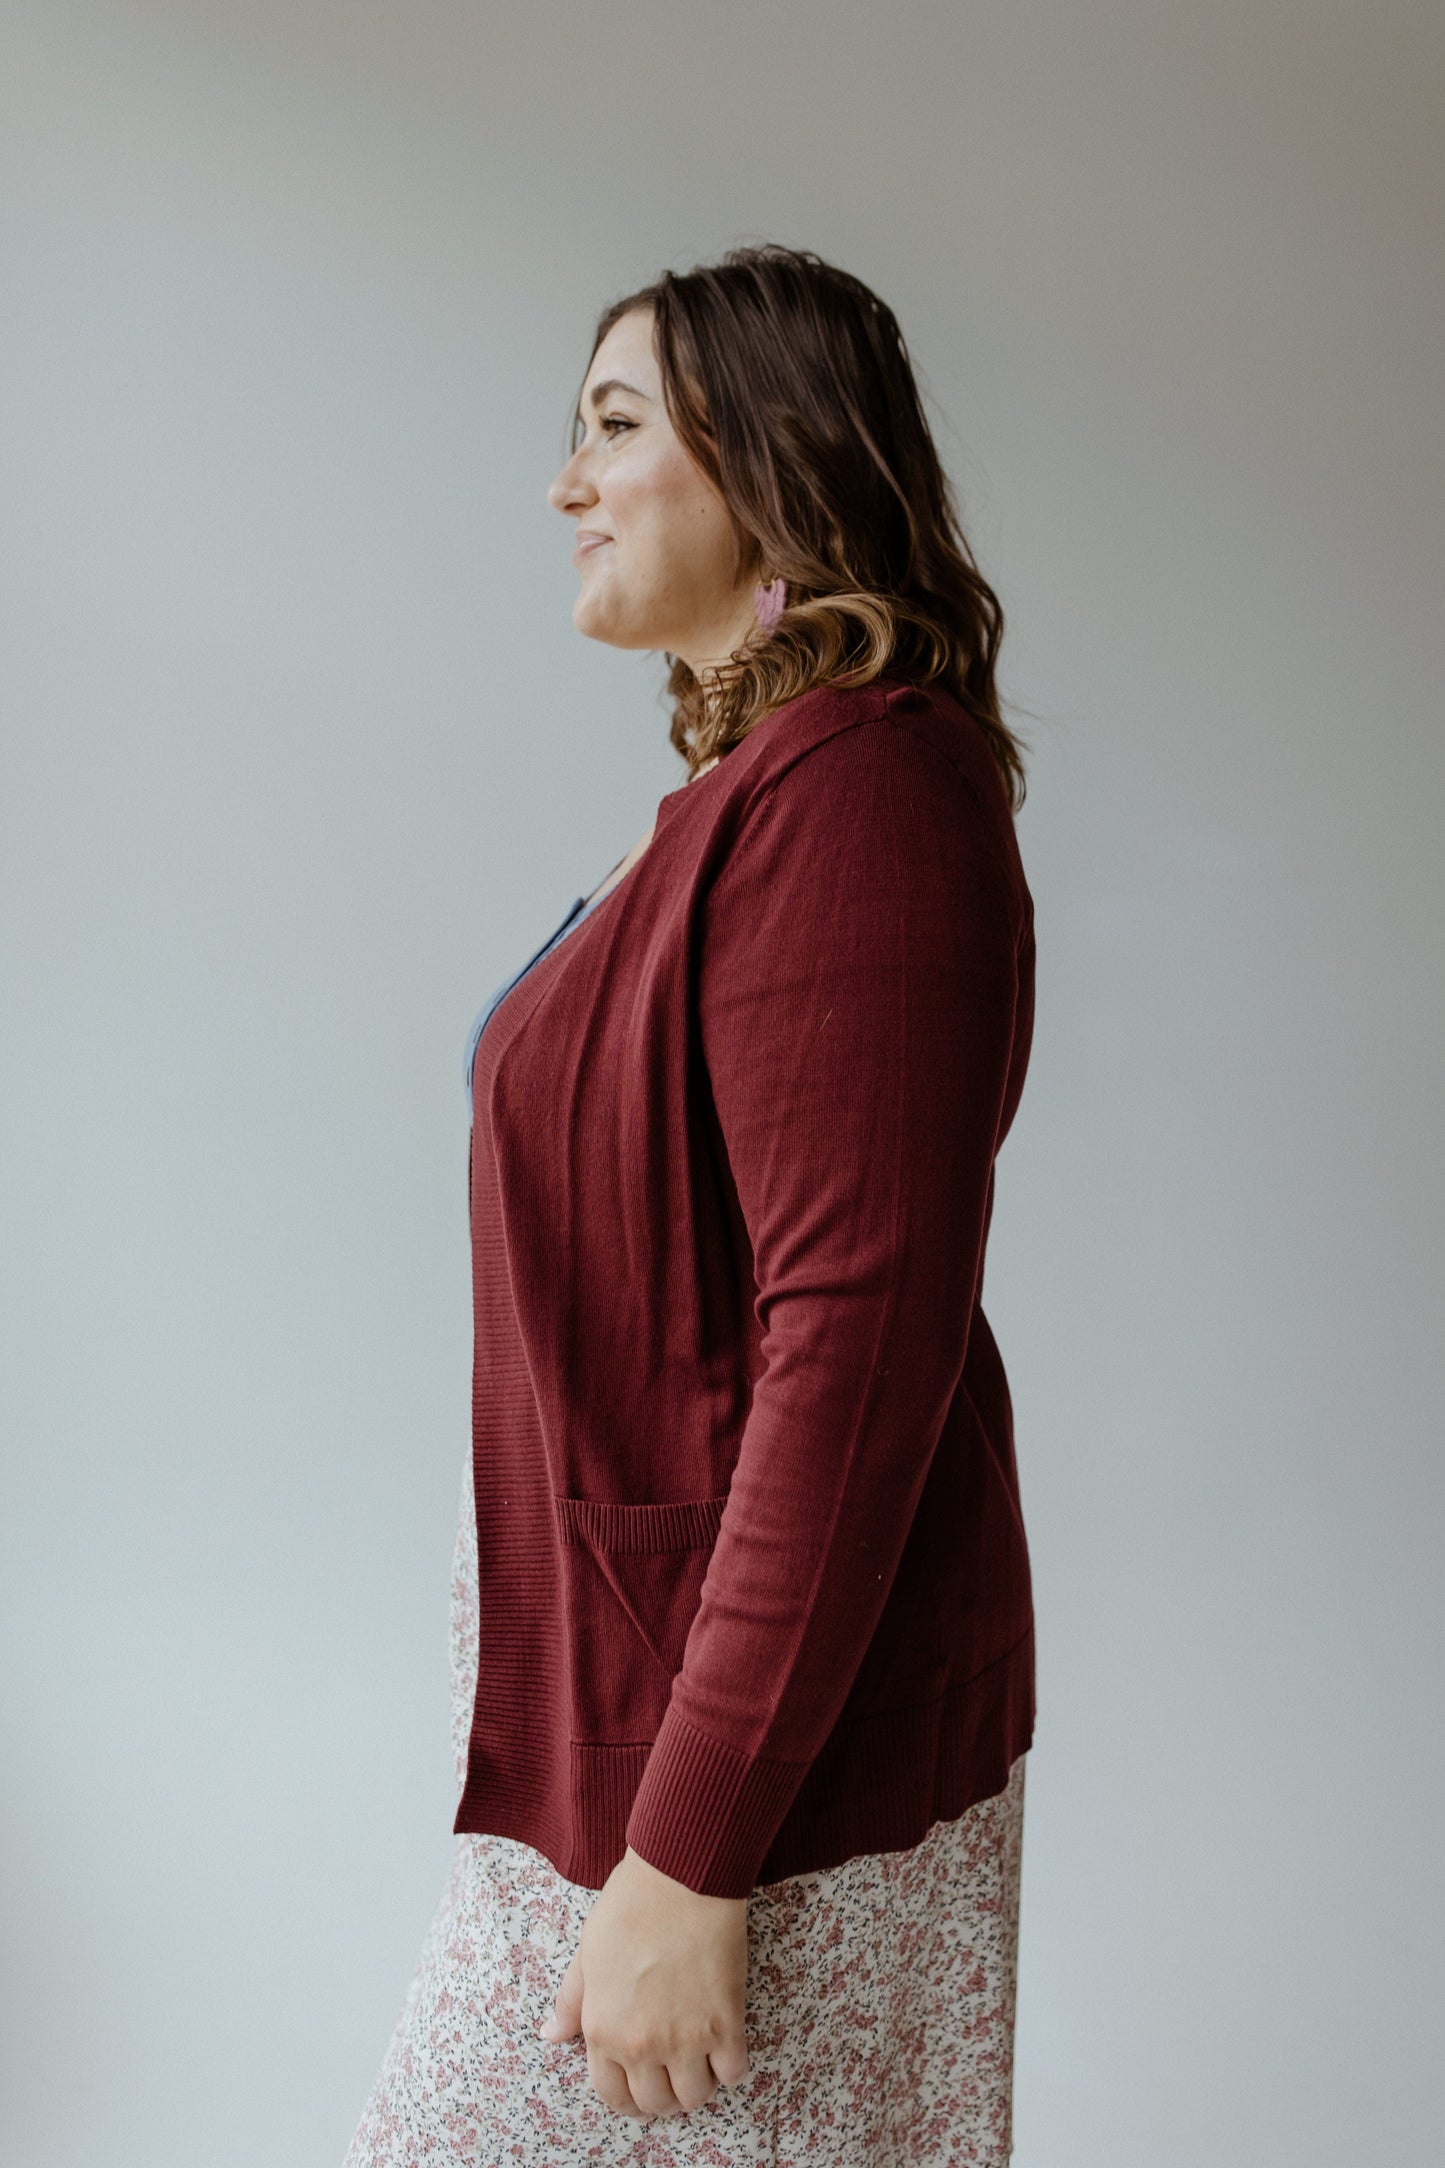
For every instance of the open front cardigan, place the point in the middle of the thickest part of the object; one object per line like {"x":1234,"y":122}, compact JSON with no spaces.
{"x":754,"y":1583}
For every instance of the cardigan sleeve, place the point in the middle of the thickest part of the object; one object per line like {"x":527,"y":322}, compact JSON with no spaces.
{"x":857,"y":988}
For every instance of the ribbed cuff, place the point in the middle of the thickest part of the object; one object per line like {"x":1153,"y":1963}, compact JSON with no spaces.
{"x":706,"y":1814}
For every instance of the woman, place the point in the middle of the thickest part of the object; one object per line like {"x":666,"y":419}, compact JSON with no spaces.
{"x":742,"y":1620}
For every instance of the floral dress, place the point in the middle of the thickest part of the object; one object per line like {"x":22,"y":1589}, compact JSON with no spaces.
{"x":879,"y":2015}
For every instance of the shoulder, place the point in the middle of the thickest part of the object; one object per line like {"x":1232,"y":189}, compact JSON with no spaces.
{"x":887,"y":721}
{"x":872,"y":768}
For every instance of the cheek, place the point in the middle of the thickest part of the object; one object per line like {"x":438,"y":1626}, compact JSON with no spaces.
{"x":640,"y":494}
{"x":661,"y":509}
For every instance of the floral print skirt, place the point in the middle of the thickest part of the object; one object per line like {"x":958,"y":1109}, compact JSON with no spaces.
{"x":879,"y":2014}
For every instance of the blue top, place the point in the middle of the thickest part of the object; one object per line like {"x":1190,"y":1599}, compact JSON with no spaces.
{"x":575,"y":916}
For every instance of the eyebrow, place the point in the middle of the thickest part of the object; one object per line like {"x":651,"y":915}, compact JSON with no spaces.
{"x":615,"y":383}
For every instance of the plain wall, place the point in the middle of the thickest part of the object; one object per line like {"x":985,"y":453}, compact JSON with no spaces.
{"x":302,"y":754}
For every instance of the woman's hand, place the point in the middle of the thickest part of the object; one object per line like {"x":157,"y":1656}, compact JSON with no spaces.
{"x":658,"y":1989}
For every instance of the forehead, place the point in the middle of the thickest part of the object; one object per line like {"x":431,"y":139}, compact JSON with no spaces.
{"x":626,"y":351}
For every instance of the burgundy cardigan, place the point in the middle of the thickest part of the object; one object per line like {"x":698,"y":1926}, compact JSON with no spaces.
{"x":754,"y":1582}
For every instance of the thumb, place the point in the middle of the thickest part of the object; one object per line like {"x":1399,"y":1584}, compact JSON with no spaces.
{"x":565,"y":2020}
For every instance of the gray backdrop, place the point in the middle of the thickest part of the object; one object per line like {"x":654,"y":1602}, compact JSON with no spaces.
{"x":303,"y":755}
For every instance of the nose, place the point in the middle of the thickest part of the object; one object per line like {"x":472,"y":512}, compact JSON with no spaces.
{"x":571,"y":491}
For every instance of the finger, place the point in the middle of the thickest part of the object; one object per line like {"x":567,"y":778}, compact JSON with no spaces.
{"x":693,"y":2080}
{"x":609,"y":2083}
{"x":565,"y":2020}
{"x":731,"y":2063}
{"x":651,"y":2088}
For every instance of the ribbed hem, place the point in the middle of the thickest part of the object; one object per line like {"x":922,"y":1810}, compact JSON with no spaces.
{"x":722,"y":1824}
{"x":675,"y":1525}
{"x":879,"y":1784}
{"x":706,"y":1814}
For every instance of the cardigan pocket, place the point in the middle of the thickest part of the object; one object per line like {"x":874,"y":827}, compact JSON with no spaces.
{"x":633,"y":1581}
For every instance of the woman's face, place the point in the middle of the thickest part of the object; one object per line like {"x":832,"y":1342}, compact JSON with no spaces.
{"x":654,"y":544}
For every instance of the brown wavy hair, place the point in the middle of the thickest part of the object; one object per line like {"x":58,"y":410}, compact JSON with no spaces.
{"x":789,"y":382}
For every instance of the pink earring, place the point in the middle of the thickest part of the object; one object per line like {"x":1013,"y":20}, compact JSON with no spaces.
{"x":770,"y":602}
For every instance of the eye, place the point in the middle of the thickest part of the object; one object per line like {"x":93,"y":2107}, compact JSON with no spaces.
{"x":620,"y":421}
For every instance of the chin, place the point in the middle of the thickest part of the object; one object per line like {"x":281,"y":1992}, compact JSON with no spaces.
{"x":597,"y":623}
{"x":589,"y":620}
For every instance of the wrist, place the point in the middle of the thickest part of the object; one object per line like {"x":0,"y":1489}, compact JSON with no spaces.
{"x":644,"y":1870}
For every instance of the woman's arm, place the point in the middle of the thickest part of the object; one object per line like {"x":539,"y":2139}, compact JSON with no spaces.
{"x":858,"y":985}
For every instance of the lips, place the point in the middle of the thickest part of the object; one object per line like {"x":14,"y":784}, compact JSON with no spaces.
{"x":586,"y":544}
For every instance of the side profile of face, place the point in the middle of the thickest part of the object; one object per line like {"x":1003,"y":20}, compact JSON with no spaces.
{"x":654,"y":547}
